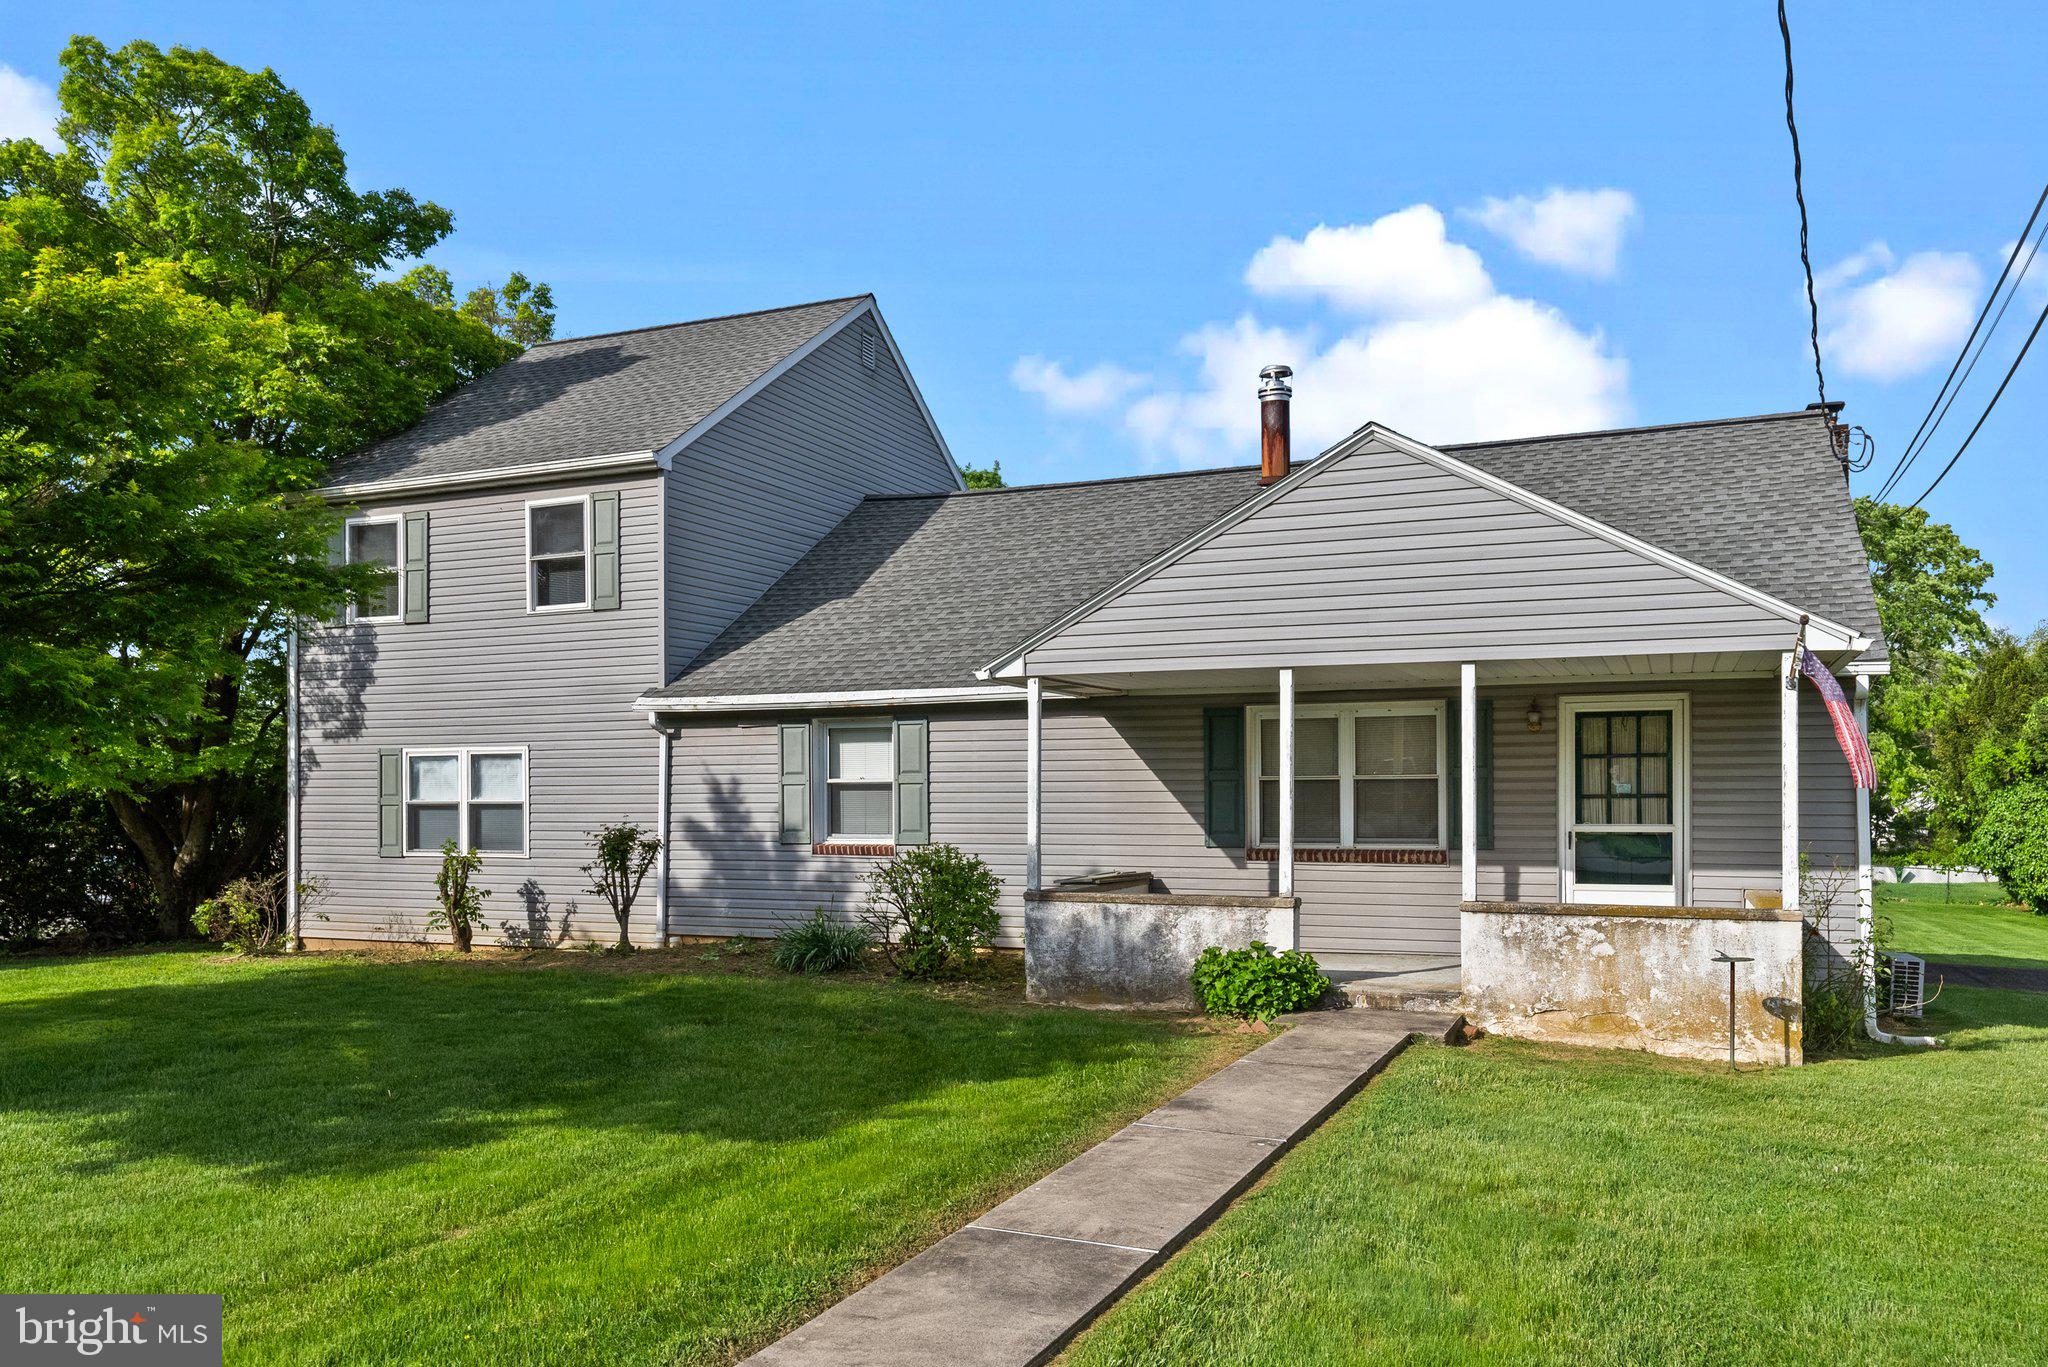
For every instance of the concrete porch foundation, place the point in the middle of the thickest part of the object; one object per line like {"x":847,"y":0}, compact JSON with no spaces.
{"x":1135,"y":948}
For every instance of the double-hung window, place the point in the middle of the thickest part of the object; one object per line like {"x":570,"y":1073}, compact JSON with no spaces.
{"x":374,"y":541}
{"x":477,"y":798}
{"x":1367,"y":774}
{"x":860,"y":768}
{"x":558,"y":554}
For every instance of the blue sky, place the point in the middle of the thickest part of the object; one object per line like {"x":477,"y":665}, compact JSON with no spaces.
{"x":1089,"y":225}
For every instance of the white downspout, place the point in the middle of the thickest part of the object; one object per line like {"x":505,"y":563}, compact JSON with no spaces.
{"x":662,"y":822}
{"x":1788,"y":781}
{"x":1284,"y":856}
{"x":1866,"y":906}
{"x":294,"y":913}
{"x":1034,"y":797}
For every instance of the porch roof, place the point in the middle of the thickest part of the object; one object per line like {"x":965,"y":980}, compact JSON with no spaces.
{"x":921,"y":592}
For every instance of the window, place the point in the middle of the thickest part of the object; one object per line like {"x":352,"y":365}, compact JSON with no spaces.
{"x":558,"y":554}
{"x":860,"y":765}
{"x":1364,"y":774}
{"x":376,"y":543}
{"x":477,"y":798}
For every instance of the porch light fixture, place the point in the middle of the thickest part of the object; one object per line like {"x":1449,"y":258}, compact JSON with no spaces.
{"x":1535,"y":715}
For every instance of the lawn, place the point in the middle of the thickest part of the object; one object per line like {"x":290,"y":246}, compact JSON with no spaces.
{"x":498,"y":1161}
{"x":1511,"y":1202}
{"x":1971,"y":923}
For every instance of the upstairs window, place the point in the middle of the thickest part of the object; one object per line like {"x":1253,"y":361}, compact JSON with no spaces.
{"x":558,"y":554}
{"x":375,"y":542}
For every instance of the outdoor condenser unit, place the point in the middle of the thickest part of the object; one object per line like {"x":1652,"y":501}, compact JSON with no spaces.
{"x":1908,"y":991}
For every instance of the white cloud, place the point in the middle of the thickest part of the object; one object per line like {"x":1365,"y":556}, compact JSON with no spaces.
{"x":28,"y":108}
{"x":1898,"y":323}
{"x":1401,"y":265}
{"x":1092,"y":391}
{"x":1575,"y":230}
{"x":2034,"y":285}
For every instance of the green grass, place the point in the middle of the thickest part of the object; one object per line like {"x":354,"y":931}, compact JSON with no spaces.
{"x":1514,"y":1203}
{"x":1968,"y":923}
{"x":495,"y":1162}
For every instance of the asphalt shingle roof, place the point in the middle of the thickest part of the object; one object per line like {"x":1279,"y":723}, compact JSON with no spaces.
{"x":605,"y":395}
{"x":921,"y":591}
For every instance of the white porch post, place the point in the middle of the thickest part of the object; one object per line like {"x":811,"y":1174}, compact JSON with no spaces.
{"x":1468,"y":780}
{"x":1866,"y":911}
{"x":1788,"y":774}
{"x":1284,"y":856}
{"x":1034,"y":750}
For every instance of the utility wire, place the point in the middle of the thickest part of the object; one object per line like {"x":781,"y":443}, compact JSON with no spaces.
{"x":1912,"y":455}
{"x":1987,"y":408}
{"x":1799,"y":193}
{"x":1911,"y":450}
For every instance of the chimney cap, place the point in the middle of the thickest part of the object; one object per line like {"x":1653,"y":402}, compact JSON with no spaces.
{"x":1273,"y":382}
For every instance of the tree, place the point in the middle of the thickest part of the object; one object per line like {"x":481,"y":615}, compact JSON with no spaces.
{"x":624,"y":854}
{"x":192,"y":325}
{"x":1931,"y":595}
{"x":1993,"y":734}
{"x":991,"y":478}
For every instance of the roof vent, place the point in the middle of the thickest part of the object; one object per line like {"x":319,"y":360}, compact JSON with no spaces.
{"x":870,"y":351}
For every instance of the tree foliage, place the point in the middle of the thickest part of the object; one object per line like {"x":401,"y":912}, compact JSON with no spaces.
{"x":193,"y":323}
{"x":991,"y":478}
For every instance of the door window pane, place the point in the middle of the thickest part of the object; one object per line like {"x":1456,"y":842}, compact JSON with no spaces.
{"x":1637,"y":858}
{"x":1593,"y":734}
{"x":376,"y":543}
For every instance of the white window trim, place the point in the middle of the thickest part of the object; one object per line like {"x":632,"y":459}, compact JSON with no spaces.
{"x":348,"y":546}
{"x":1347,"y":769}
{"x":532,"y":587}
{"x":1568,"y":709}
{"x":461,"y":754}
{"x":821,"y":762}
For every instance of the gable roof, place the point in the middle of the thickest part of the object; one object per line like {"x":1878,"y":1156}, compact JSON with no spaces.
{"x":923,"y":592}
{"x":585,"y":398}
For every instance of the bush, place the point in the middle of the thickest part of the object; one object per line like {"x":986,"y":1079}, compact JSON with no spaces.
{"x":2011,"y":843}
{"x":624,"y":855}
{"x":67,"y":873}
{"x":930,"y":908}
{"x":248,"y":915}
{"x":821,"y":945}
{"x":1257,"y":983}
{"x":460,"y":903}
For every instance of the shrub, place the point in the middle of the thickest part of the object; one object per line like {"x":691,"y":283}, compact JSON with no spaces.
{"x":1257,"y":983}
{"x":624,"y":854}
{"x":930,"y":908}
{"x":2011,"y":842}
{"x":248,"y":915}
{"x":461,"y":902}
{"x":821,"y":945}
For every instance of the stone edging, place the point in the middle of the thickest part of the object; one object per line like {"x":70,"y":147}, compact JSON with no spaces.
{"x":1165,"y":899}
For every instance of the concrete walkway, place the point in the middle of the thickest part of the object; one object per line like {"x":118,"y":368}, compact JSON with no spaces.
{"x":2005,"y":977}
{"x":1014,"y":1286}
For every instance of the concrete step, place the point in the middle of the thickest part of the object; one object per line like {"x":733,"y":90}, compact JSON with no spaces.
{"x":1394,"y":993}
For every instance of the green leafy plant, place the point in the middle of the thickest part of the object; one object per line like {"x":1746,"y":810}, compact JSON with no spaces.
{"x":821,"y":944}
{"x":1831,"y":1012}
{"x":460,"y":903}
{"x":1258,"y":982}
{"x":2011,"y":843}
{"x":930,"y":908}
{"x":248,"y":915}
{"x":624,"y":854}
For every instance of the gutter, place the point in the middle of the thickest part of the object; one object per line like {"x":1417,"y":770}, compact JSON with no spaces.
{"x":621,"y":462}
{"x":661,"y":820}
{"x":791,"y":702}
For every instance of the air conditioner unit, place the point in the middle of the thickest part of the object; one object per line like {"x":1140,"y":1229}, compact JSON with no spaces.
{"x":1907,"y":993}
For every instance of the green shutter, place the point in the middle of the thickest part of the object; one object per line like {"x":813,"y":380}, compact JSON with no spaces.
{"x":1454,"y":776}
{"x":1486,"y":773}
{"x":413,"y":556}
{"x":1223,"y":776}
{"x":337,"y":554}
{"x":390,"y":809}
{"x":795,"y":739}
{"x":913,"y":781}
{"x":604,"y":551}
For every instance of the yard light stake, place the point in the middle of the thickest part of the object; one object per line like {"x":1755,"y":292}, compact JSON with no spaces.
{"x":1724,"y":957}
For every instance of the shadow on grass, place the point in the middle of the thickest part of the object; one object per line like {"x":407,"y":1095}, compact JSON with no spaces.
{"x":356,"y":1068}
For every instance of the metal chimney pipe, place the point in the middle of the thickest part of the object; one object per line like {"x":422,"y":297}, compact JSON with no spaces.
{"x":1275,"y":398}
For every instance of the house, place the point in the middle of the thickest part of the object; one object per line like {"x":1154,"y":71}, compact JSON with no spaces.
{"x":1535,"y":674}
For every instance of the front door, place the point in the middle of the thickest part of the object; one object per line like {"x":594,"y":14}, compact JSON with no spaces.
{"x":1621,"y":793}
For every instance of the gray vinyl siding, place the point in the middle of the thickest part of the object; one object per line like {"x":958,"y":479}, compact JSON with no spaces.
{"x":751,"y":496}
{"x":484,"y":671}
{"x":1384,"y":558}
{"x":1123,"y":790}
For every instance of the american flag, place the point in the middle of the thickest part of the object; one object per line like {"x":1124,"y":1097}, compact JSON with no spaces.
{"x":1848,"y":734}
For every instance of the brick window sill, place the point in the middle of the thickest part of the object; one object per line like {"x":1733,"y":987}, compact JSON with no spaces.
{"x":1324,"y":854}
{"x":849,"y":847}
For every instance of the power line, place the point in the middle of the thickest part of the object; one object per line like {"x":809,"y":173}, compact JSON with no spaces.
{"x":1987,"y":408}
{"x":1911,"y":450}
{"x":1912,"y":455}
{"x":1799,"y":194}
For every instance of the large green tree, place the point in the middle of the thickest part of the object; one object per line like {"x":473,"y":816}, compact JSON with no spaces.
{"x":1931,"y":595}
{"x":194,"y":320}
